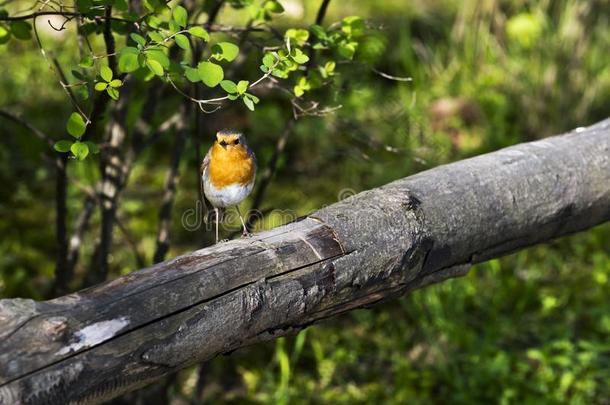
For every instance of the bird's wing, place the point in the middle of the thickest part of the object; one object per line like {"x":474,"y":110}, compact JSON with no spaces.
{"x":205,"y":165}
{"x":253,"y":156}
{"x":203,"y":173}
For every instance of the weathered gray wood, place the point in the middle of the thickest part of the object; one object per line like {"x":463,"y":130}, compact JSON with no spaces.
{"x":115,"y":337}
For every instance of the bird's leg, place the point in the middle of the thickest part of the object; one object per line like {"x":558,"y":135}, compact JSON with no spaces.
{"x":245,"y":232}
{"x":217,"y":218}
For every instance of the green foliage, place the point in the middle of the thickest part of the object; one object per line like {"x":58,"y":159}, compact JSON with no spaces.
{"x":76,"y":125}
{"x":108,"y":84}
{"x":225,"y":51}
{"x":210,"y":73}
{"x":21,"y":30}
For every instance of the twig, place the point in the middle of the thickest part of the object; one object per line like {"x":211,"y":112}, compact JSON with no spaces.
{"x":59,"y":72}
{"x":63,"y":81}
{"x":33,"y":16}
{"x":131,"y":242}
{"x":390,"y":77}
{"x":37,"y":132}
{"x":217,"y":101}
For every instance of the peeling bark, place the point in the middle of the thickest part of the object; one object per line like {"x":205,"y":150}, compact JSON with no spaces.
{"x":97,"y":343}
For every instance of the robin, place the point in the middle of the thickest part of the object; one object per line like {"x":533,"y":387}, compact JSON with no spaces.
{"x":228,"y":172}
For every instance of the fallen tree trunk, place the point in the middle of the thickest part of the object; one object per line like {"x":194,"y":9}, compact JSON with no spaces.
{"x":100,"y":342}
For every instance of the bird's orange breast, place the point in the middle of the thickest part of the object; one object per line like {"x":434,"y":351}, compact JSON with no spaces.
{"x":233,"y":165}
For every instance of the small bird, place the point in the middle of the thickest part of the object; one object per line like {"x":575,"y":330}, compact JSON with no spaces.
{"x":228,"y":172}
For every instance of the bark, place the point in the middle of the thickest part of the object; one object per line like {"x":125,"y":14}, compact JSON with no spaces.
{"x":115,"y":337}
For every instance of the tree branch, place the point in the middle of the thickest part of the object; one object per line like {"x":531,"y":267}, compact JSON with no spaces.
{"x":109,"y":41}
{"x":322,"y":11}
{"x":37,"y":132}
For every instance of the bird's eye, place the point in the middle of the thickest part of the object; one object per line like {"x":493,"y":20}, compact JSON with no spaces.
{"x":236,"y":142}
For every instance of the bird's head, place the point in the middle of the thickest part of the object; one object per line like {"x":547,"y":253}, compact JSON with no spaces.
{"x":230,"y":140}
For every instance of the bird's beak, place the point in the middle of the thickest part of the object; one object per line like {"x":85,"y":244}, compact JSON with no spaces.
{"x":223,"y":144}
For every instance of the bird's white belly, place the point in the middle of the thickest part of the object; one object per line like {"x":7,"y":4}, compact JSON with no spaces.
{"x":226,"y":196}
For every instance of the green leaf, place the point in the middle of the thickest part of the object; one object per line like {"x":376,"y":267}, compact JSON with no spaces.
{"x":233,"y":96}
{"x":199,"y":32}
{"x":80,"y":150}
{"x":62,"y":146}
{"x":21,"y":30}
{"x":192,"y":74}
{"x":319,"y":32}
{"x":76,"y":125}
{"x":116,"y":83}
{"x":113,"y":93}
{"x":211,"y":74}
{"x":182,"y":41}
{"x":153,"y":21}
{"x":298,"y":36}
{"x":225,"y":50}
{"x":299,"y":57}
{"x":158,"y":55}
{"x":5,"y":35}
{"x":242,"y":86}
{"x":274,"y":6}
{"x":228,"y":86}
{"x":84,"y":6}
{"x":252,"y":97}
{"x":120,"y":5}
{"x":249,"y":103}
{"x":269,"y":60}
{"x":93,"y":148}
{"x":156,"y":37}
{"x":154,"y":66}
{"x":78,"y":75}
{"x":86,"y":62}
{"x":173,"y":27}
{"x":180,"y":16}
{"x":138,"y":39}
{"x":347,"y":49}
{"x":100,"y":86}
{"x":106,"y":73}
{"x":128,"y":60}
{"x":353,"y":26}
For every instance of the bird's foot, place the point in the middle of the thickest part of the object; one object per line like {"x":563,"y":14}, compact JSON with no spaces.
{"x":246,"y":234}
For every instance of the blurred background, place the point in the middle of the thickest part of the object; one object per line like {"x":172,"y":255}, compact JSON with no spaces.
{"x":532,"y":327}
